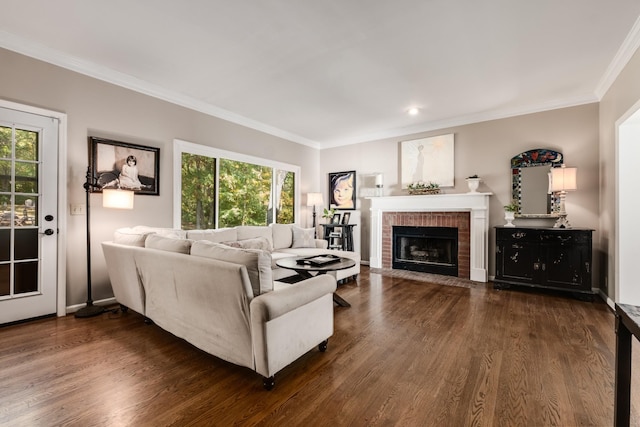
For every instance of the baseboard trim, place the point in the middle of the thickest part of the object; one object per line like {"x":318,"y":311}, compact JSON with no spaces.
{"x":76,"y":307}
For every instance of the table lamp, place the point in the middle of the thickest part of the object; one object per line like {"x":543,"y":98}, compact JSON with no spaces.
{"x":563,"y":179}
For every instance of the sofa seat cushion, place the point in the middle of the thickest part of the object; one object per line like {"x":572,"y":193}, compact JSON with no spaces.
{"x":257,"y":262}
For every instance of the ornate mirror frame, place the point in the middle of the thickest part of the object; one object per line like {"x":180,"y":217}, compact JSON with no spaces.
{"x":533,"y":158}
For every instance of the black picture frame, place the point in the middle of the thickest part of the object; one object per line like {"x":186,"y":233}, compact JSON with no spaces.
{"x":345,"y":218}
{"x":339,"y":184}
{"x":335,"y":219}
{"x":108,"y":158}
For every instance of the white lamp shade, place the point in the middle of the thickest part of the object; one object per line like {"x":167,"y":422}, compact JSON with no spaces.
{"x":314,"y":199}
{"x":563,"y":179}
{"x":117,"y":199}
{"x":379,"y":180}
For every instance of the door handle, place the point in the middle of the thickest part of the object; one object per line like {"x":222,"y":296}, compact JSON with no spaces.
{"x":48,"y":232}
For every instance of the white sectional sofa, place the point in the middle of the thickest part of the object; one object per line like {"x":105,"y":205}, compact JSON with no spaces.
{"x":215,"y":289}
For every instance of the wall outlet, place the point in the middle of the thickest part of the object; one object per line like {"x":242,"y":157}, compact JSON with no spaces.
{"x":78,"y":209}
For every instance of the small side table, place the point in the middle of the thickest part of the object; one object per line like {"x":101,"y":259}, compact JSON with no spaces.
{"x":627,"y":325}
{"x":339,"y":236}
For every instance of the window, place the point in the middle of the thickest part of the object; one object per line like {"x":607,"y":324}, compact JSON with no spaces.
{"x":219,"y":188}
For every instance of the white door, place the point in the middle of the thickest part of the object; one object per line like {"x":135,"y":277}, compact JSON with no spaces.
{"x":28,"y":215}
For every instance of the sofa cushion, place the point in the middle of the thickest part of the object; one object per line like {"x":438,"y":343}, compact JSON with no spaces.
{"x":257,"y":262}
{"x":257,"y":243}
{"x":282,"y":236}
{"x":169,"y":244}
{"x":127,"y":236}
{"x":214,"y":235}
{"x":303,"y":237}
{"x":252,"y":231}
{"x":166,"y":232}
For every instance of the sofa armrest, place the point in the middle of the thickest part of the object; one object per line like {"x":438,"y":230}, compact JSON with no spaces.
{"x":274,"y":304}
{"x":287,"y":323}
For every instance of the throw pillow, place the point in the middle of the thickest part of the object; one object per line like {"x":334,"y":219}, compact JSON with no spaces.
{"x":257,"y":262}
{"x":170,"y":244}
{"x":257,"y":243}
{"x":303,"y":237}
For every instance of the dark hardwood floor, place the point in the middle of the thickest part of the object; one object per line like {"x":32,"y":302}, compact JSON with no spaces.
{"x":405,"y":353}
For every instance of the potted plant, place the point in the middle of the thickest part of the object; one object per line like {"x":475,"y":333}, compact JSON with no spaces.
{"x":510,"y":213}
{"x":328,"y":214}
{"x":423,"y":188}
{"x":473,"y":182}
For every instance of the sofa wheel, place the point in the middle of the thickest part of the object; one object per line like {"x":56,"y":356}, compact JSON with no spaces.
{"x":148,"y":321}
{"x":124,"y":308}
{"x":323,"y":346}
{"x":268,"y":383}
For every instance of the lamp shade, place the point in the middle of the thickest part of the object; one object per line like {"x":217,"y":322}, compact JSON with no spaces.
{"x":379,"y":179}
{"x":314,"y":199}
{"x":563,"y":179}
{"x":117,"y":199}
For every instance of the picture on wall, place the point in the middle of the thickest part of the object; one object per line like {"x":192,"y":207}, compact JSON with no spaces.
{"x":127,"y":166}
{"x":342,"y":190}
{"x":428,"y":160}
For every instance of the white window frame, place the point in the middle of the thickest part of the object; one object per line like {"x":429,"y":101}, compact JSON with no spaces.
{"x":180,"y":146}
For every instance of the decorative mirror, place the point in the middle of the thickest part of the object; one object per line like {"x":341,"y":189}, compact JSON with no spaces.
{"x":530,"y":183}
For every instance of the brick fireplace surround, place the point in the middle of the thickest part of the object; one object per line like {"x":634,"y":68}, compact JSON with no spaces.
{"x":459,"y":220}
{"x":469,"y":212}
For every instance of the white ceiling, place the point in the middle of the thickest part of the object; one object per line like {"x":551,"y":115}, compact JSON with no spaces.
{"x":331,"y":72}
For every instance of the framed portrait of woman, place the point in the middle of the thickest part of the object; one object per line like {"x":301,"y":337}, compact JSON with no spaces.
{"x":342,"y":190}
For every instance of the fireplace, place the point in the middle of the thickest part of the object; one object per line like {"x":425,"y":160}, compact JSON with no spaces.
{"x":469,"y":212}
{"x":426,"y":249}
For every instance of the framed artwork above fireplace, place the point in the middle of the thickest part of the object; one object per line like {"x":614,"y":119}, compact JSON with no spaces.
{"x":428,"y":160}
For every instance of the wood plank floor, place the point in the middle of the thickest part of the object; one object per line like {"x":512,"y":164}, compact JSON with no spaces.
{"x":405,"y":353}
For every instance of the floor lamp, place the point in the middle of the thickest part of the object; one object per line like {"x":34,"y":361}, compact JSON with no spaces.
{"x":111,"y":198}
{"x":314,"y":199}
{"x":563,"y":179}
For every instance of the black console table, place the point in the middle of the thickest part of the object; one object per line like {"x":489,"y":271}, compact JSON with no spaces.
{"x":552,"y":258}
{"x":339,"y":236}
{"x":627,"y":325}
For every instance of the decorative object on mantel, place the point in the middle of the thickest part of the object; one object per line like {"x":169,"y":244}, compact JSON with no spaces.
{"x":379,"y":185}
{"x":473,"y":182}
{"x":510,"y":213}
{"x":562,"y":179}
{"x":421,"y":188}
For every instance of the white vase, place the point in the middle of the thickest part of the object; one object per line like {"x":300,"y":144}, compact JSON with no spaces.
{"x":509,"y":217}
{"x":473,"y":184}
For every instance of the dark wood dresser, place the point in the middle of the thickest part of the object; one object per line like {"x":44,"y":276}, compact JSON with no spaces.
{"x":551,"y":258}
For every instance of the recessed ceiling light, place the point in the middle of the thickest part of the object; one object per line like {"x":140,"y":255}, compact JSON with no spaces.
{"x":413,"y":111}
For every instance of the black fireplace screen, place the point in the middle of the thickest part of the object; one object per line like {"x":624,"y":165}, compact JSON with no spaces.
{"x":426,"y":249}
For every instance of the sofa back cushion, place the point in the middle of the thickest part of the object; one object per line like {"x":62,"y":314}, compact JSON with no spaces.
{"x":282,"y":236}
{"x":252,"y":231}
{"x":217,"y":235}
{"x":169,"y":244}
{"x":257,"y":262}
{"x":136,"y":236}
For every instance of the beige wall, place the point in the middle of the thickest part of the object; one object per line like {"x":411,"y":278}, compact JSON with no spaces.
{"x":585,"y":134}
{"x":96,"y":108}
{"x":621,"y":96}
{"x":486,"y":149}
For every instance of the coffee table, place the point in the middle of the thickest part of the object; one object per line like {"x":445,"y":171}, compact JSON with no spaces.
{"x":306,"y":270}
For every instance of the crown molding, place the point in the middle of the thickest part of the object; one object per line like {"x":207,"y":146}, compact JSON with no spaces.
{"x":627,"y":50}
{"x":43,"y":53}
{"x":464,"y":120}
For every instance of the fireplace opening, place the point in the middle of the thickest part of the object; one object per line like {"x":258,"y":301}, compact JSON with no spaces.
{"x":426,"y":249}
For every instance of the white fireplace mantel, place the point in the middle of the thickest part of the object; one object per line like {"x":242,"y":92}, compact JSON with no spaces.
{"x":475,"y":203}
